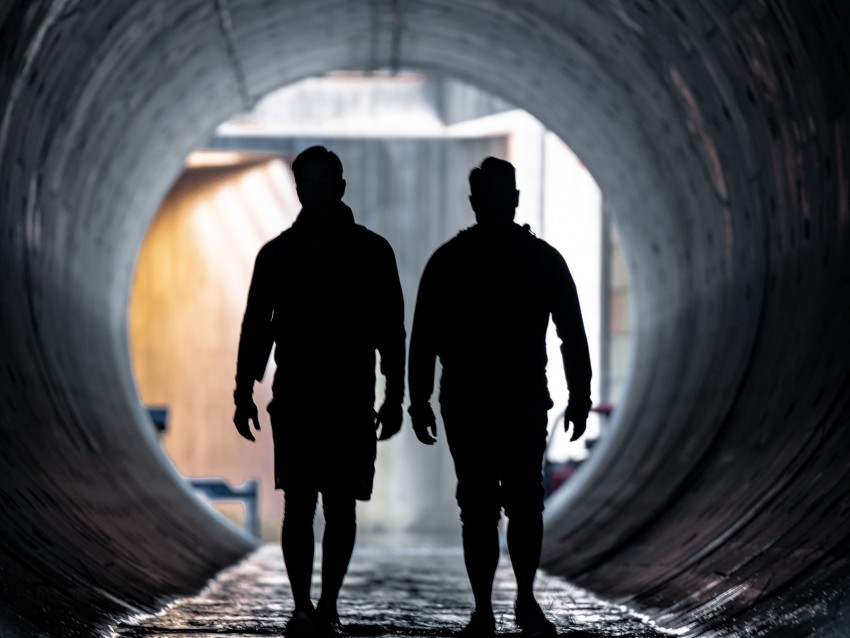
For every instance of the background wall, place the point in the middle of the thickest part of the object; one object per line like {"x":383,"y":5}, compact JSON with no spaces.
{"x":186,"y":309}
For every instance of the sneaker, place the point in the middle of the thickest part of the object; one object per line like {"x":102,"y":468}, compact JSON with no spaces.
{"x":301,"y":624}
{"x":533,"y":622}
{"x":328,"y":622}
{"x":479,"y":626}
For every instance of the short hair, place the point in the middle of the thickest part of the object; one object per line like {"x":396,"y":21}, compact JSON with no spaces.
{"x":493,"y":174}
{"x":317,"y":156}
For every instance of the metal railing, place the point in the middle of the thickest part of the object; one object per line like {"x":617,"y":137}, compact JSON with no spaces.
{"x":217,"y":488}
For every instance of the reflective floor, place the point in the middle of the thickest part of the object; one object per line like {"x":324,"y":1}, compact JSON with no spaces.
{"x":389,"y":591}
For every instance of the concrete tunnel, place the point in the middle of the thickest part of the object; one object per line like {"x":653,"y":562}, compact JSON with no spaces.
{"x":719,"y":133}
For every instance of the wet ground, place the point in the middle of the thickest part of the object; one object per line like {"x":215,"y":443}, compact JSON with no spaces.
{"x":389,"y":591}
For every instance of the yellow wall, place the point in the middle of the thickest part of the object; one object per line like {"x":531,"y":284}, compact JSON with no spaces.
{"x":186,"y":309}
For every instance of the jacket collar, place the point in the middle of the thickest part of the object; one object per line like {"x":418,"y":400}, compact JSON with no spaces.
{"x":333,"y":218}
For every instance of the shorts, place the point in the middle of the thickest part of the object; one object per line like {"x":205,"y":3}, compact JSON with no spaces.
{"x":498,"y":460}
{"x":324,"y":451}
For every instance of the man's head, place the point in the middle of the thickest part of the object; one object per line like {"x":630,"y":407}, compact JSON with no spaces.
{"x":493,"y":193}
{"x":318,"y":177}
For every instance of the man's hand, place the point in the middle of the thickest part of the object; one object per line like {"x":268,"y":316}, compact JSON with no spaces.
{"x":246,"y":413}
{"x":424,"y":423}
{"x":579,"y":426}
{"x":389,"y":418}
{"x":578,"y":418}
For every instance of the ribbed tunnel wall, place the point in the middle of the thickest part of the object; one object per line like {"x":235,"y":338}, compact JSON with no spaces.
{"x":718,"y":132}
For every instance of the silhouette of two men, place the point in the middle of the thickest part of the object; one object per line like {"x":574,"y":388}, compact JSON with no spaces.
{"x":327,"y":293}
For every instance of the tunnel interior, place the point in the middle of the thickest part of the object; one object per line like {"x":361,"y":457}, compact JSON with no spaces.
{"x":718,"y":133}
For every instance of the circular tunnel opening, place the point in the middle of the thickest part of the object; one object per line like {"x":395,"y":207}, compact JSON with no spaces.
{"x":407,"y":141}
{"x":718,"y":133}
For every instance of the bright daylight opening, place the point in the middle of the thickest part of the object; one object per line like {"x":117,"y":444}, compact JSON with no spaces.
{"x":407,"y":142}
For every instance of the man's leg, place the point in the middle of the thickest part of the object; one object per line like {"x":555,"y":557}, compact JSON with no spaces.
{"x":480,"y":509}
{"x":337,"y":547}
{"x":298,"y":544}
{"x":480,"y":535}
{"x":525,"y":532}
{"x":522,"y":491}
{"x":525,"y":535}
{"x":478,"y":498}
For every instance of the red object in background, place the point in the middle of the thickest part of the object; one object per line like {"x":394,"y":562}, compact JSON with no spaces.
{"x":562,"y":475}
{"x":556,"y":474}
{"x":603,"y":408}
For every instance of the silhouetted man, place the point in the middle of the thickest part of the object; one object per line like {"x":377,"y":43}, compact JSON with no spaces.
{"x":483,"y":308}
{"x":327,"y":293}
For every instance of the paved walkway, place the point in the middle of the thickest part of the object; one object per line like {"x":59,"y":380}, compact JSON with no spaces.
{"x":389,"y":591}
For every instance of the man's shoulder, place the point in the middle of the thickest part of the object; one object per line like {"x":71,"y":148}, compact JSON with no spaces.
{"x":449,"y":250}
{"x":369,"y":238}
{"x":545,"y":248}
{"x":365,"y":234}
{"x":474,"y":236}
{"x":536,"y":245}
{"x":275,"y":244}
{"x":359,"y":234}
{"x":460,"y":242}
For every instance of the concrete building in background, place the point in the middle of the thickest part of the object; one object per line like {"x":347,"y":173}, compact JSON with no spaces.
{"x":407,"y":143}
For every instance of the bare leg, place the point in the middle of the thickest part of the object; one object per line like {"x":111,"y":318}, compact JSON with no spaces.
{"x":481,"y":555}
{"x":525,"y":534}
{"x":337,"y":546}
{"x":297,"y":543}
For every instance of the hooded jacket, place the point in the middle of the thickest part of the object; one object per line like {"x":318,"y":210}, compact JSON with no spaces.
{"x":483,"y":308}
{"x":326,"y":292}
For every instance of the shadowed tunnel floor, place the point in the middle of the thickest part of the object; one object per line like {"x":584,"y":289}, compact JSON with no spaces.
{"x":389,"y":591}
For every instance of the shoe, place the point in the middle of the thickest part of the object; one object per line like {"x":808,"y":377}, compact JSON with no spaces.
{"x":301,"y":624}
{"x":479,"y":626}
{"x":328,"y":622}
{"x":532,"y":621}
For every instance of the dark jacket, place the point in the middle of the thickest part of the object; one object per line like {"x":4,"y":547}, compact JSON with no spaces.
{"x":483,"y":308}
{"x":327,"y":293}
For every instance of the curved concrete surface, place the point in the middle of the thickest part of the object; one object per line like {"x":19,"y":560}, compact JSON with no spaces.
{"x":719,"y":133}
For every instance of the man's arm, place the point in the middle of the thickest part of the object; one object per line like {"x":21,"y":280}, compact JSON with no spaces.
{"x":566,"y":314}
{"x":255,"y":344}
{"x":423,"y":357}
{"x":391,"y":345}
